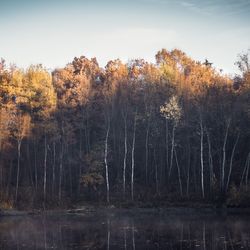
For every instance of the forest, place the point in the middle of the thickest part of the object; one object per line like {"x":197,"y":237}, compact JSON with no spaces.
{"x":154,"y":134}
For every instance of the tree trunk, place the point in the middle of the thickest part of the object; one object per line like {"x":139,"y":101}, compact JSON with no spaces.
{"x":53,"y":168}
{"x":201,"y":156}
{"x":125,"y":156}
{"x":194,"y":170}
{"x":167,"y":153}
{"x":35,"y":165}
{"x":133,"y":161}
{"x":210,"y":161}
{"x":18,"y":167}
{"x":45,"y":171}
{"x":172,"y":151}
{"x":29,"y":165}
{"x":1,"y":165}
{"x":10,"y":177}
{"x":87,"y":132}
{"x":231,"y":162}
{"x":146,"y":154}
{"x":188,"y":169}
{"x":80,"y":165}
{"x":70,"y":170}
{"x":156,"y":173}
{"x":60,"y":173}
{"x":106,"y":162}
{"x":245,"y":170}
{"x":224,"y":159}
{"x":179,"y":172}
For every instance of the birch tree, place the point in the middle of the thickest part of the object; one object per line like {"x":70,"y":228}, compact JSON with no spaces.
{"x":171,"y":110}
{"x":133,"y":158}
{"x":20,"y":130}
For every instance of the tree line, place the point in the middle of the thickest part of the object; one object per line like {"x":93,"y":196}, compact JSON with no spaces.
{"x":173,"y":130}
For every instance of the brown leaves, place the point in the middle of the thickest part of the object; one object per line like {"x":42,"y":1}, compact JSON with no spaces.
{"x":92,"y":180}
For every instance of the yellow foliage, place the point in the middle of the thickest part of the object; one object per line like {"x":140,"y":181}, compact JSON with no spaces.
{"x":92,"y":180}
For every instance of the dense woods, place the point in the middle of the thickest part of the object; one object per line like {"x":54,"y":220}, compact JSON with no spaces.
{"x":173,"y":131}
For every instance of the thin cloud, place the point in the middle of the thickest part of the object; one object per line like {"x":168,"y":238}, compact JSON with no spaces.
{"x":157,"y":1}
{"x":221,"y":7}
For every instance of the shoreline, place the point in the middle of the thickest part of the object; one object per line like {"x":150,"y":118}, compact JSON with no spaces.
{"x":88,"y":210}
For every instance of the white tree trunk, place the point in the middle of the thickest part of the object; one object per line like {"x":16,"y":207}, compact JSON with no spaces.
{"x":18,"y":167}
{"x":35,"y":166}
{"x":60,"y":173}
{"x":210,"y":160}
{"x":106,"y":161}
{"x":133,"y":161}
{"x":172,"y":151}
{"x":224,"y":159}
{"x":201,"y":156}
{"x":45,"y":171}
{"x":125,"y":156}
{"x":146,"y":154}
{"x":53,"y":168}
{"x":167,"y":153}
{"x":188,"y":170}
{"x":231,"y":162}
{"x":179,"y":172}
{"x":156,"y":174}
{"x":245,"y":171}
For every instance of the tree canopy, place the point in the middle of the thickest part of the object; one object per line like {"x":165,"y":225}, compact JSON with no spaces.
{"x":174,"y":130}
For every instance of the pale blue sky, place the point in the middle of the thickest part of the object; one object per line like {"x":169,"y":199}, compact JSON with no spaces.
{"x":53,"y":32}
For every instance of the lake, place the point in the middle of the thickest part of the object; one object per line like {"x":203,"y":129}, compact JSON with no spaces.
{"x":125,"y":229}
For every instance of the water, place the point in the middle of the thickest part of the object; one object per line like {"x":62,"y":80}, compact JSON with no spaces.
{"x":125,"y":230}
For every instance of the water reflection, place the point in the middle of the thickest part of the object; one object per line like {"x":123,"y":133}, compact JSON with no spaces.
{"x":125,"y":231}
{"x":108,"y":240}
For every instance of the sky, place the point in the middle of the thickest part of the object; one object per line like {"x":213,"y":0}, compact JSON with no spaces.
{"x":53,"y":32}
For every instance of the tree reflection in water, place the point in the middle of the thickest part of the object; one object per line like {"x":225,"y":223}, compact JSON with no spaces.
{"x":125,"y":231}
